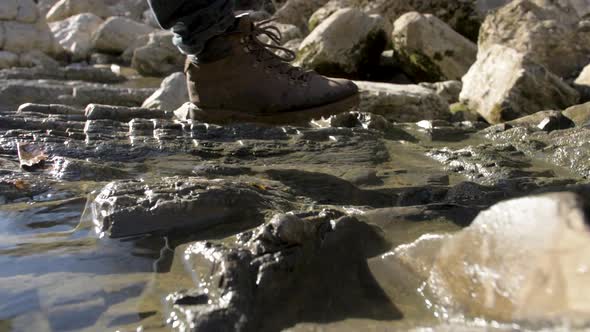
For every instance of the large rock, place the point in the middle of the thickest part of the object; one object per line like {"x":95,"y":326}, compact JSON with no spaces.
{"x":402,"y":103}
{"x":345,"y":43}
{"x":550,"y":33}
{"x":66,"y":8}
{"x":171,"y":95}
{"x":504,"y":85}
{"x":117,"y":33}
{"x":159,"y":57}
{"x":75,"y":33}
{"x":430,"y":50}
{"x":521,"y":260}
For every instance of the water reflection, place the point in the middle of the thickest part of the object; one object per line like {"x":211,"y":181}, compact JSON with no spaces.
{"x":57,"y":275}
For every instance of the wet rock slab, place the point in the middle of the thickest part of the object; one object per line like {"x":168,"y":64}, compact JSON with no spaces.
{"x":126,"y":208}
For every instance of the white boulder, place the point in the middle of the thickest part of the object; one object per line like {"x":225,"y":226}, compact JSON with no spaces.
{"x":553,"y":34}
{"x":505,"y":85}
{"x":75,"y":33}
{"x":171,"y":95}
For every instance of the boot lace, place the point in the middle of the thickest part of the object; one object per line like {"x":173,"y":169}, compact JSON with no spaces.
{"x":264,"y":52}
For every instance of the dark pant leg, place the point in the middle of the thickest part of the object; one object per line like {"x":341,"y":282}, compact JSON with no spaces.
{"x":193,"y":22}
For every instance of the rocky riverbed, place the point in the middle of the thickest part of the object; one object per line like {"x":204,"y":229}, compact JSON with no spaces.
{"x":435,"y":205}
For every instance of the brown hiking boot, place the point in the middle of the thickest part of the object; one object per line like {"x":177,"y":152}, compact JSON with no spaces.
{"x":249,"y":83}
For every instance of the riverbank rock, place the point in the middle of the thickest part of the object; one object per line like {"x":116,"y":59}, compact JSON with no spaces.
{"x":550,"y":33}
{"x":430,"y":50}
{"x":75,"y":33}
{"x":345,"y":43}
{"x":402,"y":103}
{"x":67,"y":8}
{"x":529,"y":262}
{"x":23,"y":30}
{"x":159,"y":57}
{"x":117,"y":33}
{"x":504,"y":85}
{"x":172,"y":93}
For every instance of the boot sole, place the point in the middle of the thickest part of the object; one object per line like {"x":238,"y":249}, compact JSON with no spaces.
{"x":297,"y":117}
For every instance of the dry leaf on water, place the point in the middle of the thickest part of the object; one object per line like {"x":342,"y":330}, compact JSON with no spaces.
{"x":30,"y":155}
